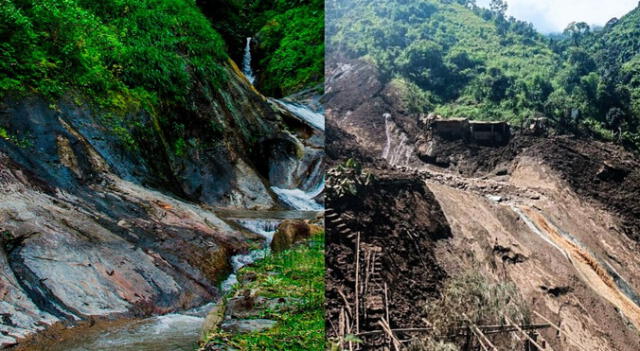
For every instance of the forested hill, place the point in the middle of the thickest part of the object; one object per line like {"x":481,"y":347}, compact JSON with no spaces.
{"x":457,"y":59}
{"x":289,"y":38}
{"x":156,"y":75}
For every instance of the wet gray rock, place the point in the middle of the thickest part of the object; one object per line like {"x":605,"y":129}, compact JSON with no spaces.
{"x":92,"y":228}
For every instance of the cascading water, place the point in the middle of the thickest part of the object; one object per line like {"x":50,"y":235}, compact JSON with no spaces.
{"x":303,"y":198}
{"x":300,"y":199}
{"x":264,"y":227}
{"x":303,"y":112}
{"x":397,"y":150}
{"x":246,"y":62}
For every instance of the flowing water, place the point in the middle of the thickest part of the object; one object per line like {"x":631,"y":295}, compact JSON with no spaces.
{"x":300,"y":199}
{"x":181,"y":331}
{"x":398,"y":151}
{"x":171,"y":332}
{"x":176,"y":331}
{"x":315,"y":119}
{"x":246,"y":62}
{"x":304,"y":198}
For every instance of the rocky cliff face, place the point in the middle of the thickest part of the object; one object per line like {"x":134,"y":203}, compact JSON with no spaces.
{"x":555,"y":216}
{"x":90,"y":228}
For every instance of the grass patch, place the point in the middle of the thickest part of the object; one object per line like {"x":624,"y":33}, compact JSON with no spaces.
{"x":472,"y":297}
{"x":297,"y":273}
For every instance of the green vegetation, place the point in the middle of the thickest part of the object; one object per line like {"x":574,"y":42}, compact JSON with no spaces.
{"x":467,"y":298}
{"x":149,"y":66}
{"x":23,"y":142}
{"x":297,"y":273}
{"x":454,"y":58}
{"x":347,"y":179}
{"x":117,"y":52}
{"x":295,"y":39}
{"x":290,"y":37}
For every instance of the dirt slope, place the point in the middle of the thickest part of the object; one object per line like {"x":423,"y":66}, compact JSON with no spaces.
{"x":557,"y":216}
{"x":397,"y":247}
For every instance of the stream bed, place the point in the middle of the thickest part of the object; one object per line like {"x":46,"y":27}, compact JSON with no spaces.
{"x":175,"y":331}
{"x":181,"y":331}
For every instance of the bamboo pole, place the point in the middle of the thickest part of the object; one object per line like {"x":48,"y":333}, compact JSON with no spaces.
{"x":561,"y":331}
{"x":524,"y":333}
{"x":357,"y":292}
{"x":387,"y":329}
{"x":477,"y":331}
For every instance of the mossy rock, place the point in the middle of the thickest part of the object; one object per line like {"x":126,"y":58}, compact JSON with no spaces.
{"x":213,"y":320}
{"x":290,"y":232}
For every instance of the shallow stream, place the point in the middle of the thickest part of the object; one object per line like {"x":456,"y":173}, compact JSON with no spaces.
{"x":175,"y":331}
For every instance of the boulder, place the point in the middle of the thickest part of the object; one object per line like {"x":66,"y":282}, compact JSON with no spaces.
{"x":289,"y":232}
{"x":315,"y":229}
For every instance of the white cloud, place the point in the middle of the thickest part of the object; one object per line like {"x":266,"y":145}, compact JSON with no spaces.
{"x":554,"y":15}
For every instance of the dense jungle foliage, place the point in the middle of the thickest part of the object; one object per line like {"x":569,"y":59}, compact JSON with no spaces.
{"x":115,"y":51}
{"x":457,"y":59}
{"x":289,"y":35}
{"x":151,"y":51}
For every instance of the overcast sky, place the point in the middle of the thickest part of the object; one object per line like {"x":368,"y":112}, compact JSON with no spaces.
{"x":550,"y":16}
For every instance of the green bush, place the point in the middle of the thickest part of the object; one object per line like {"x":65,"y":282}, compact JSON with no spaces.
{"x":117,"y":52}
{"x":294,"y":43}
{"x":474,"y":62}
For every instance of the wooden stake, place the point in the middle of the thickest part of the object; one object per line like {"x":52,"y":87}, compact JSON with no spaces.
{"x":357,"y":309}
{"x":478,"y":332}
{"x":561,"y":331}
{"x":387,"y":329}
{"x":524,"y":333}
{"x":386,"y":303}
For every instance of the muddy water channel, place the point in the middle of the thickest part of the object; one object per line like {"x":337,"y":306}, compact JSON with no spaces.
{"x":175,"y":331}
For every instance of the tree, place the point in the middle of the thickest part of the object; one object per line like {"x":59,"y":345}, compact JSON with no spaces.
{"x":499,"y":7}
{"x":615,"y":120}
{"x":577,"y":31}
{"x":422,"y":61}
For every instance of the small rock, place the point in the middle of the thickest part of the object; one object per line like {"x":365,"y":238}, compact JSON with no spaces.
{"x":495,"y":198}
{"x":213,"y":319}
{"x":247,"y":325}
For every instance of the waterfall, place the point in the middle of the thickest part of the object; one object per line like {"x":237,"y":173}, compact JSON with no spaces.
{"x":303,"y":198}
{"x":300,"y":199}
{"x":314,"y":119}
{"x":246,"y":62}
{"x":397,"y":149}
{"x":262,"y":226}
{"x":387,"y":132}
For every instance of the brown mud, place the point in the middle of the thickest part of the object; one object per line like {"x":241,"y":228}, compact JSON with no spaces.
{"x":396,"y":248}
